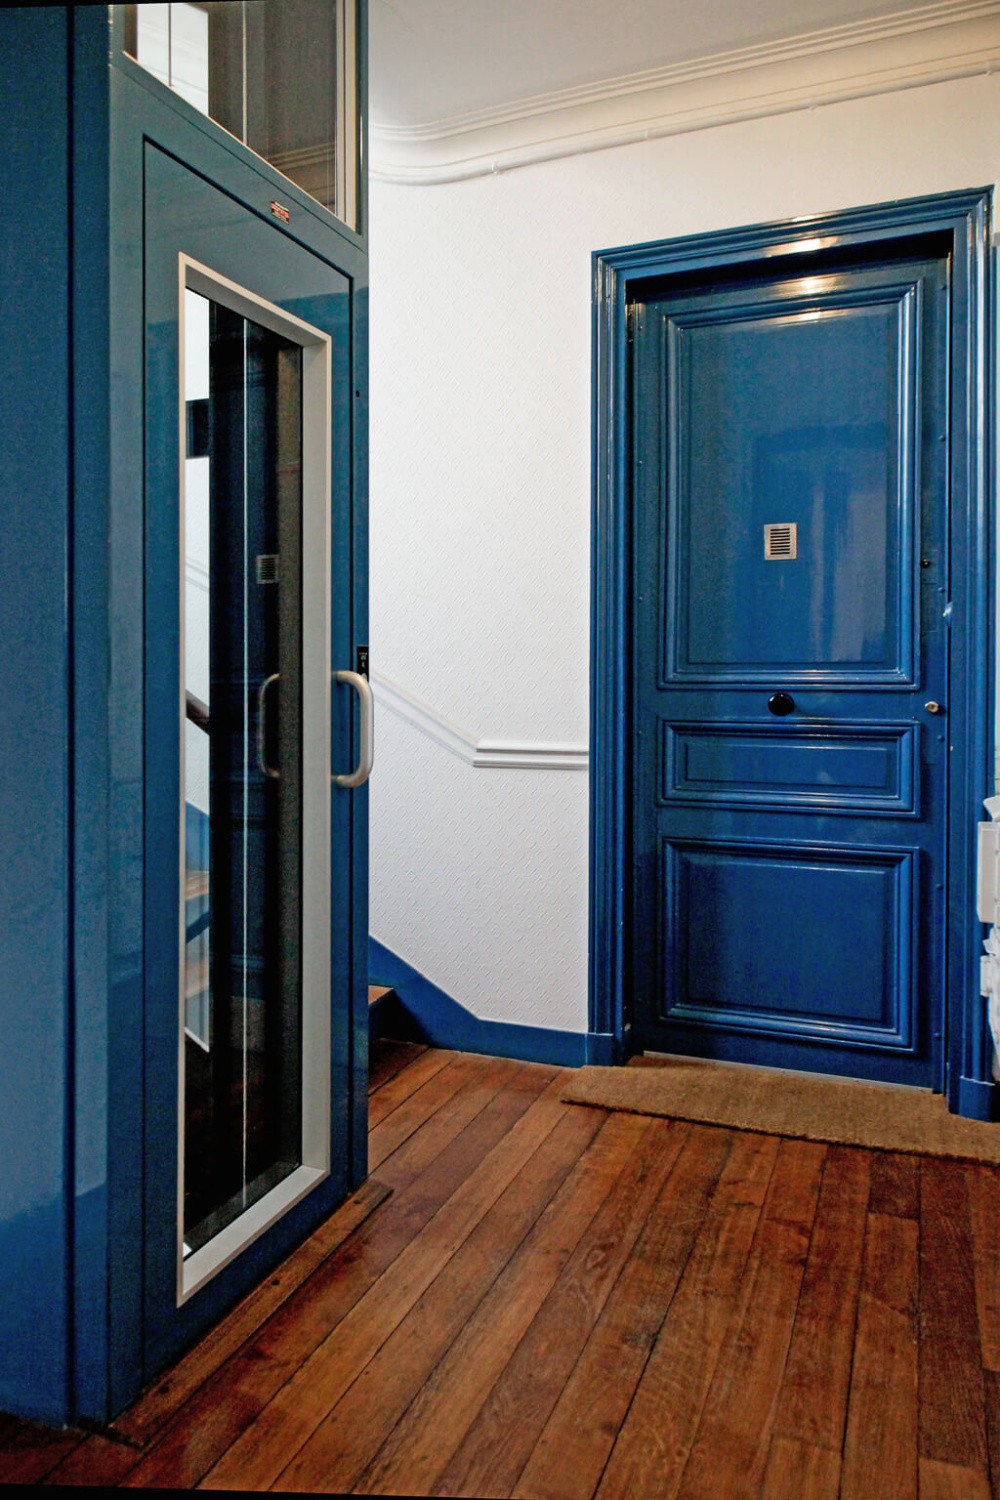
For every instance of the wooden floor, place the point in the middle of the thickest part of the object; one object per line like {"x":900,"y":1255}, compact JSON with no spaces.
{"x":557,"y":1302}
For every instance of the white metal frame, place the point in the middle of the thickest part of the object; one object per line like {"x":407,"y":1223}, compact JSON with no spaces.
{"x":199,"y":1267}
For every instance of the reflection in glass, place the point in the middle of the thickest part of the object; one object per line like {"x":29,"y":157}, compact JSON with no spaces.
{"x":242,"y":770}
{"x":277,"y":74}
{"x":794,"y":419}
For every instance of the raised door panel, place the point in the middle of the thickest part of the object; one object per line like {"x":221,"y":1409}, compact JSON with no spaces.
{"x":743,"y":950}
{"x":793,"y":411}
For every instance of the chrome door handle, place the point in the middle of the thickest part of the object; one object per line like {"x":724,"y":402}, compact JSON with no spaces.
{"x":261,"y":721}
{"x":366,"y":756}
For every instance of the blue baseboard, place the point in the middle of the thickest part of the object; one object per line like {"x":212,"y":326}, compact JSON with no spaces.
{"x":602,"y":1048}
{"x":975,"y":1099}
{"x":426,"y":1014}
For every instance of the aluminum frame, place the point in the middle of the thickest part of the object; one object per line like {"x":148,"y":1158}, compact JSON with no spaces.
{"x":194,"y":1271}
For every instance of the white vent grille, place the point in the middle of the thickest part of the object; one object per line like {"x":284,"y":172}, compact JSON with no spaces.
{"x":781,"y":541}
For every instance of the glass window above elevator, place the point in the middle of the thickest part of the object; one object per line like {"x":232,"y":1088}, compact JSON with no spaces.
{"x":280,"y":75}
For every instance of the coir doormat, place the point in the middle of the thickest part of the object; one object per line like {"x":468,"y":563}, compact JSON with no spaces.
{"x":881,"y":1117}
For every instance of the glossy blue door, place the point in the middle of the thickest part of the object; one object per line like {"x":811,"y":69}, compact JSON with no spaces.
{"x":790,"y":666}
{"x":250,"y":896}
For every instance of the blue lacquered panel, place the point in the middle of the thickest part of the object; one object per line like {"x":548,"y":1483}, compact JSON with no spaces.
{"x":740,"y":937}
{"x":834,"y":767}
{"x":791,"y":410}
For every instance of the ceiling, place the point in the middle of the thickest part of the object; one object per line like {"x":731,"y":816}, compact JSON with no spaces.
{"x":434,"y":59}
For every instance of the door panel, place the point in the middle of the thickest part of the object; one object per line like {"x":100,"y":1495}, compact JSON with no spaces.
{"x":789,"y":583}
{"x":757,"y":962}
{"x":869,"y":768}
{"x":794,"y":410}
{"x":249,"y":888}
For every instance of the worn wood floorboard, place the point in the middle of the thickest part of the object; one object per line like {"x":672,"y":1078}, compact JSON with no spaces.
{"x":595,"y":1400}
{"x":952,"y":1408}
{"x":31,"y":1453}
{"x":408,"y":1116}
{"x":434,"y":1425}
{"x":983,"y":1186}
{"x":881,"y":1436}
{"x":812,"y":1402}
{"x":405,"y":1083}
{"x":800,"y":1471}
{"x":389,"y":1058}
{"x":508,"y":1425}
{"x":730,"y":1452}
{"x":258,"y":1457}
{"x":348,"y":1439}
{"x":895,"y":1184}
{"x":655,"y":1440}
{"x":542,"y":1300}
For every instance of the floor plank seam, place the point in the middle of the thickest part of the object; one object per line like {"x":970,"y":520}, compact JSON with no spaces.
{"x":596,"y":1320}
{"x":494,"y":1154}
{"x":651,"y":1346}
{"x":162,"y":1429}
{"x":404,"y":1421}
{"x":751,"y":1267}
{"x":475,"y":1307}
{"x":176,"y":1418}
{"x":561,"y":1301}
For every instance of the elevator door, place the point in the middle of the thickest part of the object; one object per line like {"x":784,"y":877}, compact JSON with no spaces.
{"x":253,"y":968}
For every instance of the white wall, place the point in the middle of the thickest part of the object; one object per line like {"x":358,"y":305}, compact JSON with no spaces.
{"x":480,"y":486}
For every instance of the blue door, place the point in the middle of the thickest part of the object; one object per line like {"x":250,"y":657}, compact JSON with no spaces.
{"x":251,"y":883}
{"x":790,"y":666}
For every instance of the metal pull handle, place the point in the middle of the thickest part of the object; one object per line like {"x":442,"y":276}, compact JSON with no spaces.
{"x":261,"y":721}
{"x":366,"y":756}
{"x":932,"y":707}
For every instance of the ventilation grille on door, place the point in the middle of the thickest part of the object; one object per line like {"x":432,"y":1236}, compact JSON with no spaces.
{"x":780,"y":541}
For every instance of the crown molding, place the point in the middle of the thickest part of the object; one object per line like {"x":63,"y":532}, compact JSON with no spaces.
{"x":928,"y":44}
{"x":482,"y":754}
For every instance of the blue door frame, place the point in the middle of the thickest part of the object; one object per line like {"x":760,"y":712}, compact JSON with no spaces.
{"x":960,"y":223}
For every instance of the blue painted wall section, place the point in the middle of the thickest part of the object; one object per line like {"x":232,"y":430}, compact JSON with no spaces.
{"x":35,"y":912}
{"x":424,"y":1013}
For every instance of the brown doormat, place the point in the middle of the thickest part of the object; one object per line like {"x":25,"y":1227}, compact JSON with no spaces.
{"x":882,"y":1117}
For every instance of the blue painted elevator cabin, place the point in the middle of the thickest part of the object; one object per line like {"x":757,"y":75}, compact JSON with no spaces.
{"x":114,"y":178}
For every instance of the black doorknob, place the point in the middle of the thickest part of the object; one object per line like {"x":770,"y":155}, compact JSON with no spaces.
{"x":781,"y":704}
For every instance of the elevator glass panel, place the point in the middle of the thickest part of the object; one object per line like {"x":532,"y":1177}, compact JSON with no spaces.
{"x":277,"y":74}
{"x":242,"y":814}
